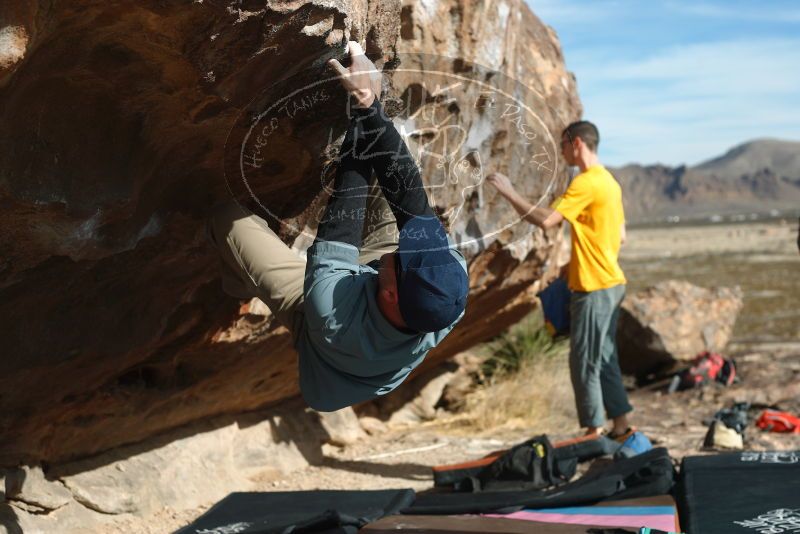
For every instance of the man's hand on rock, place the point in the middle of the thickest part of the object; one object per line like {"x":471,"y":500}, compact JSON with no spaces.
{"x":502,"y":183}
{"x":362,"y":79}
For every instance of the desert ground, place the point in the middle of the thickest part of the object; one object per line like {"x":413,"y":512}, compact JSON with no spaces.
{"x":538,"y":399}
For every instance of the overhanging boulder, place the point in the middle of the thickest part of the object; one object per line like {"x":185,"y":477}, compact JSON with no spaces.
{"x":114,"y":119}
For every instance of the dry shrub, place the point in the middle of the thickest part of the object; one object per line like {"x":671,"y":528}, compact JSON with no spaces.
{"x":528,"y":384}
{"x":537,"y":397}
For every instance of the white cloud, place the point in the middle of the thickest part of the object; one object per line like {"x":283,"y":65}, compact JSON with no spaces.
{"x":729,"y":11}
{"x":742,"y":66}
{"x":689,"y":103}
{"x":680,"y":81}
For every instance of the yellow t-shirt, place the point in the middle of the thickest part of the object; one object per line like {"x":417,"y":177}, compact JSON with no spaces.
{"x":593,"y":206}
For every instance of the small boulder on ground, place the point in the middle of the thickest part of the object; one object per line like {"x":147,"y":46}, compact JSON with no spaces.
{"x":342,"y":427}
{"x":672,"y":322}
{"x":28,"y":484}
{"x":443,"y":388}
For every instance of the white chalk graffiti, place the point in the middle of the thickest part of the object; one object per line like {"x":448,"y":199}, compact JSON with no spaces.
{"x":507,"y":128}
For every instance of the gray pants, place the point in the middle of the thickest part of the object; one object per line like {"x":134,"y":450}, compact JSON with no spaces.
{"x":593,"y":362}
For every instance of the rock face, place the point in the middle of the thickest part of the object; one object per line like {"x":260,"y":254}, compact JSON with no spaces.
{"x":672,"y":322}
{"x":186,"y":468}
{"x":28,"y":485}
{"x":114,"y":119}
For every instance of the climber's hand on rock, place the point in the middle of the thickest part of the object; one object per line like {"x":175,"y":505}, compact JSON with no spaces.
{"x":362,"y":79}
{"x":502,"y":183}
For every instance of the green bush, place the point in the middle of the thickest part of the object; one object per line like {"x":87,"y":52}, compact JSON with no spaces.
{"x":524,"y":342}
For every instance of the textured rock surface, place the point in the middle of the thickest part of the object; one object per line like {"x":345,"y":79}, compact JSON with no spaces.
{"x":194,"y":466}
{"x":9,"y":523}
{"x":113,"y":125}
{"x":342,"y":427}
{"x":414,"y":403}
{"x":673,"y":321}
{"x":29,"y":485}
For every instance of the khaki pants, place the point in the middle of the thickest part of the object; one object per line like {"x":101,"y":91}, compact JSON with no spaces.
{"x":256,"y":263}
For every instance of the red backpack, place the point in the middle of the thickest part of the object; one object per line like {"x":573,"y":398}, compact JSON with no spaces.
{"x":706,"y":367}
{"x":775,"y":421}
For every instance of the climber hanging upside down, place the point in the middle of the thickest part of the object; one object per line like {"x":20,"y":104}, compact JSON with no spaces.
{"x":365,"y":307}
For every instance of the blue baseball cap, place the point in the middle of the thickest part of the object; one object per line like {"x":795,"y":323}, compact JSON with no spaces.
{"x":433,"y":284}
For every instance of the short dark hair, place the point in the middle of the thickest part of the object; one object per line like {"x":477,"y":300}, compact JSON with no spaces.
{"x":586,"y":131}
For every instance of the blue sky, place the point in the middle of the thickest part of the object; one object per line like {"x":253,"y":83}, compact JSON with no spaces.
{"x":677,"y":81}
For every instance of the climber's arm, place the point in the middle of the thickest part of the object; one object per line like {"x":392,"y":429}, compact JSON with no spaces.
{"x":343,"y":218}
{"x":378,"y":141}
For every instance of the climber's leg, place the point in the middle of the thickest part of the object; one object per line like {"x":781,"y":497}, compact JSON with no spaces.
{"x":256,"y":263}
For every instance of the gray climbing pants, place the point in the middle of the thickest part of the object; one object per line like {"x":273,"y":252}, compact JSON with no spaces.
{"x":593,"y":362}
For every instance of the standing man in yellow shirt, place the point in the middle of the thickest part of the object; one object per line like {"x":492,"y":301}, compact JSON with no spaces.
{"x":592,"y":205}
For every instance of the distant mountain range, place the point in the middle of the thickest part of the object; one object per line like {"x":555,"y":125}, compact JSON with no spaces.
{"x":760,"y":176}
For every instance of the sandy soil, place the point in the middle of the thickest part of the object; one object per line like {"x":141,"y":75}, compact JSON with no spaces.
{"x":774,"y":237}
